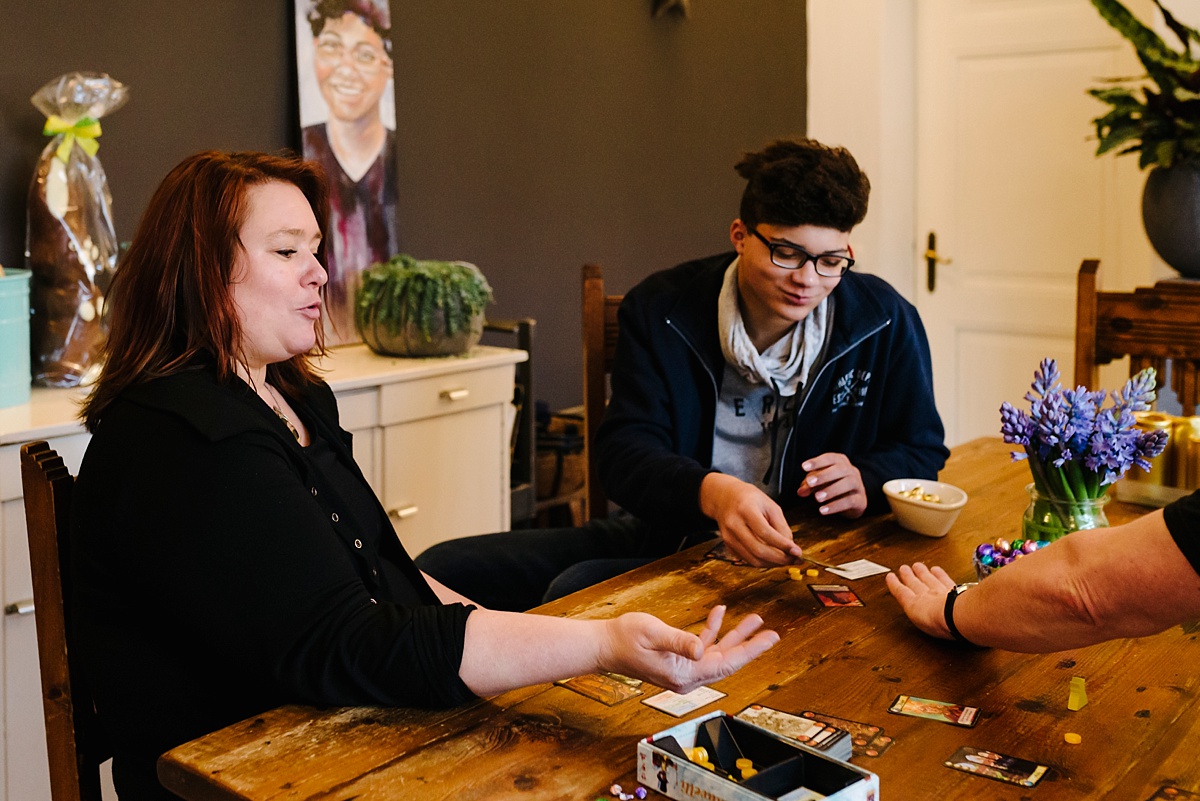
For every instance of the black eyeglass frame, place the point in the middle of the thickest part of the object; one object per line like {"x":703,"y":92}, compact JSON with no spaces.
{"x":807,"y":257}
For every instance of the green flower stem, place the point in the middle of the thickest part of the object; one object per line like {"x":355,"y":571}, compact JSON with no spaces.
{"x":1039,"y":472}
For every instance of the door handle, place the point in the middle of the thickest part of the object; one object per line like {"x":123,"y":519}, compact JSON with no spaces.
{"x":404,"y":512}
{"x":22,"y":607}
{"x":932,"y":260}
{"x":455,"y":394}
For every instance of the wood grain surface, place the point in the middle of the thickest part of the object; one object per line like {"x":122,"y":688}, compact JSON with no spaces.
{"x":1139,"y":728}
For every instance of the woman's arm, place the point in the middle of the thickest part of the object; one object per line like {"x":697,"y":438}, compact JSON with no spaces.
{"x":1125,"y":581}
{"x":506,"y":650}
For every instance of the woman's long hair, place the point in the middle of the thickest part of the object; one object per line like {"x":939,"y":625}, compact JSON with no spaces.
{"x":170,"y":303}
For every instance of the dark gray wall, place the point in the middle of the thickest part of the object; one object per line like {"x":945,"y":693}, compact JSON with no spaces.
{"x":534,"y":135}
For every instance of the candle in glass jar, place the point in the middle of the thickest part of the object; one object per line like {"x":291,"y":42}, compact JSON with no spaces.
{"x":1185,"y":452}
{"x":1163,"y":468}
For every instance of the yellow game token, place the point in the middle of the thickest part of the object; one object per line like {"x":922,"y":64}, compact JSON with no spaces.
{"x":795,"y":573}
{"x":699,"y":754}
{"x":744,"y":763}
{"x":748,"y":772}
{"x":1072,"y":738}
{"x":812,"y":571}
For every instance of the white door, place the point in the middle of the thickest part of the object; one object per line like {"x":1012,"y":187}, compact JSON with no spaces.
{"x":1008,"y":182}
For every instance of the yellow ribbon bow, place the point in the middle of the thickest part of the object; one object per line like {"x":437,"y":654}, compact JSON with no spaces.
{"x":84,"y":131}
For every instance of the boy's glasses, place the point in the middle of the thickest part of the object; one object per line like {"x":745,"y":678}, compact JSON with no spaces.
{"x":793,"y":257}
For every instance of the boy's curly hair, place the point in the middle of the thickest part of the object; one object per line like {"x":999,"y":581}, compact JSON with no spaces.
{"x":794,"y":182}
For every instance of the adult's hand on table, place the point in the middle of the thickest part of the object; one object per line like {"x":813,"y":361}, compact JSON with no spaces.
{"x":836,"y":484}
{"x":751,"y":524}
{"x":642,"y":646}
{"x":921,"y":592}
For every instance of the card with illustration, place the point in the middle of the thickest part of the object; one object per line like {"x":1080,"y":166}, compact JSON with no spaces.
{"x":956,"y":714}
{"x":1001,"y":767}
{"x":719,"y":551}
{"x":802,"y":730}
{"x":835,"y":595}
{"x":607,"y":688}
{"x":866,"y":739}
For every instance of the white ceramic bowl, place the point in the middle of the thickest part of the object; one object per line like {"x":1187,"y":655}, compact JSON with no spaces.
{"x":931,"y":518}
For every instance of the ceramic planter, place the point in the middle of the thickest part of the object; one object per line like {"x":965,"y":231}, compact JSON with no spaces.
{"x":1171,"y":214}
{"x":410,"y":341}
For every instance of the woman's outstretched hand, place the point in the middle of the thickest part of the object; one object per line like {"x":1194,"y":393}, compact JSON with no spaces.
{"x":642,"y":646}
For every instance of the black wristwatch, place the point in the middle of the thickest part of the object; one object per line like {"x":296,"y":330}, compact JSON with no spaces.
{"x":951,"y":597}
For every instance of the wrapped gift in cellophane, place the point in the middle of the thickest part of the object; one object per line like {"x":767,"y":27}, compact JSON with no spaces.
{"x":70,"y":244}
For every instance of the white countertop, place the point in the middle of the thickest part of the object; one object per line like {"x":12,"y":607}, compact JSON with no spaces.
{"x":55,"y":412}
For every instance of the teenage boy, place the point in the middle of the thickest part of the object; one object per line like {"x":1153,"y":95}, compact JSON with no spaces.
{"x":744,"y":385}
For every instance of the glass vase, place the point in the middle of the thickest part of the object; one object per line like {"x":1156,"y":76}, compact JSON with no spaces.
{"x":1049,"y":518}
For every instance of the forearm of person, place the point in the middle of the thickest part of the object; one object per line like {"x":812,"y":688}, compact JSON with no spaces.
{"x":506,"y":650}
{"x":1126,"y":581}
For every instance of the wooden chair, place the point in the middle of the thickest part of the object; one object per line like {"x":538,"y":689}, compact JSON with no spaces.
{"x":1150,"y":325}
{"x":522,"y":446}
{"x":599,"y":347}
{"x":72,"y":731}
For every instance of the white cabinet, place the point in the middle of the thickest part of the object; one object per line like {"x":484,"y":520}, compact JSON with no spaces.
{"x":431,"y":436}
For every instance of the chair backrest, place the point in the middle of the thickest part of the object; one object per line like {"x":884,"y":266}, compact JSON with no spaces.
{"x":1150,"y":325}
{"x":599,"y":347}
{"x":72,"y":736}
{"x":523,"y":445}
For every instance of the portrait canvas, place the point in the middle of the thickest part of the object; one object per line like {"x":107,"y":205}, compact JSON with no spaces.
{"x":348,"y":125}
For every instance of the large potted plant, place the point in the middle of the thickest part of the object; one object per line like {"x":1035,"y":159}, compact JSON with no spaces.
{"x":411,"y":307}
{"x":1158,"y":116}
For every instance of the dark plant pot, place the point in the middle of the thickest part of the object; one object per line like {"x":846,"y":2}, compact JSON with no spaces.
{"x":1171,"y":214}
{"x":410,"y":341}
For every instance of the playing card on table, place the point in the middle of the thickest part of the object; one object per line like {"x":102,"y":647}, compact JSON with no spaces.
{"x":679,"y":705}
{"x":1001,"y":767}
{"x":860,"y":568}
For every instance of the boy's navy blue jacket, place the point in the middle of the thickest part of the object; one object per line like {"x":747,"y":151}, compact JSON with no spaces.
{"x":871,"y":397}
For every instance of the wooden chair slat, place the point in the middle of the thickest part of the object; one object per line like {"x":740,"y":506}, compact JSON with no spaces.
{"x":74,"y":747}
{"x":599,"y":351}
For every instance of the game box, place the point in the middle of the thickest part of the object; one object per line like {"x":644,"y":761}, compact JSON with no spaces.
{"x":781,"y":770}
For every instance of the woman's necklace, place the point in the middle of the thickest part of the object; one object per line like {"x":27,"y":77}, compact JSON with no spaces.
{"x":275,"y":404}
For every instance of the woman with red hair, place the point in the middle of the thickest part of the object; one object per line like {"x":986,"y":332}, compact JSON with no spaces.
{"x":227,"y":554}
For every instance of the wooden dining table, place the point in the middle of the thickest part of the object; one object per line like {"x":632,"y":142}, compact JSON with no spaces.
{"x":1140,"y":731}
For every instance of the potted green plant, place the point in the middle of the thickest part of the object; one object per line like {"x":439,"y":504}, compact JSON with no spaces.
{"x":1158,"y":116}
{"x":412,"y":307}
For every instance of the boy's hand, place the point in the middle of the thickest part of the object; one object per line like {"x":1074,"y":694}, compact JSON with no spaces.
{"x":752,"y":525}
{"x":836,"y":484}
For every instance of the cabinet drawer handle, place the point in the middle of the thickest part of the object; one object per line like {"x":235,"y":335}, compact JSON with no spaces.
{"x":404,"y":512}
{"x":455,"y":394}
{"x":22,"y":607}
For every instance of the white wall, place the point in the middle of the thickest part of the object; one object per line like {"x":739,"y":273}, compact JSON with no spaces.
{"x":861,"y":94}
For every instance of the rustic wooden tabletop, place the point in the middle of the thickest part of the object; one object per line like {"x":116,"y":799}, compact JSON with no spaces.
{"x":1138,"y":730}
